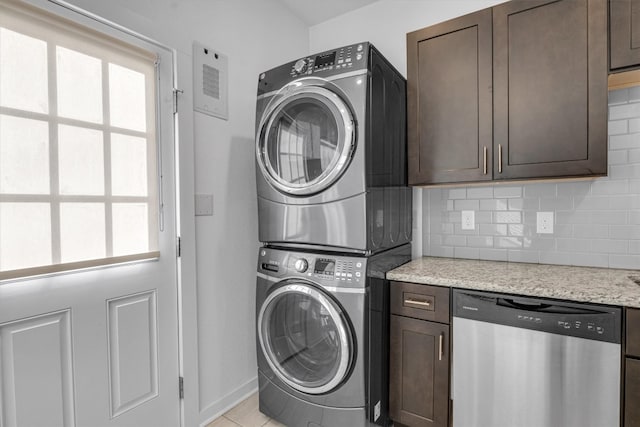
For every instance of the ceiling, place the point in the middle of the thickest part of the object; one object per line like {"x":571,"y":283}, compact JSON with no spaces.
{"x":313,"y":12}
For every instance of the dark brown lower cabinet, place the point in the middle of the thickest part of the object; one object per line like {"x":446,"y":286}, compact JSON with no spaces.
{"x":419,"y":372}
{"x":632,"y":368}
{"x":632,"y":393}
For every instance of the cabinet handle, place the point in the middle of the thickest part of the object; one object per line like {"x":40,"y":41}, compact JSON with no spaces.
{"x":484,"y":169}
{"x":417,"y":302}
{"x":500,"y":158}
{"x":440,"y":352}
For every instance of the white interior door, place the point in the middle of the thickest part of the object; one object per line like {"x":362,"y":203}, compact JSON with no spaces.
{"x":99,"y":347}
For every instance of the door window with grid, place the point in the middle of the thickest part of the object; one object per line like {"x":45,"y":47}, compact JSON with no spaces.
{"x":78,"y":166}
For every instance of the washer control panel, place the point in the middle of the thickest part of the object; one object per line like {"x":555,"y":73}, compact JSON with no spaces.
{"x":330,"y":269}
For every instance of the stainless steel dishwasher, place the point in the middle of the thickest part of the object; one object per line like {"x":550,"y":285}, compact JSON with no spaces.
{"x":531,"y":362}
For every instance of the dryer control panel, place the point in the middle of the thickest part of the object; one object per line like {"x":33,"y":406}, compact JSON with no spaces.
{"x":325,"y":65}
{"x":329,"y":269}
{"x":342,"y":59}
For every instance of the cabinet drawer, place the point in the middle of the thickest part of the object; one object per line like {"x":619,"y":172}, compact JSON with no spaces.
{"x":420,"y":301}
{"x":633,"y":332}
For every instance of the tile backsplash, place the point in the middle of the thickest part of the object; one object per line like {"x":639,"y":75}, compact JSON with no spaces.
{"x":596,"y":222}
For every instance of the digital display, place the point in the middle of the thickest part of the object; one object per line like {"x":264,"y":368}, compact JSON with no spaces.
{"x":325,"y":266}
{"x":324,"y":60}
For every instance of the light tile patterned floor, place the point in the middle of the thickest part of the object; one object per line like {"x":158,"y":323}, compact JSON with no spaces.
{"x":245,"y":414}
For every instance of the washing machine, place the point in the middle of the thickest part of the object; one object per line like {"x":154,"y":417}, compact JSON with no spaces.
{"x":322,"y":336}
{"x":331,"y":153}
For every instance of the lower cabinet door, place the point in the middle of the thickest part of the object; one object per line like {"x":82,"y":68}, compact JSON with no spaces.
{"x":632,"y":393}
{"x":419,"y":372}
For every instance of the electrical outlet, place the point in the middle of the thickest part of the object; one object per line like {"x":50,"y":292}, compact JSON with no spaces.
{"x":544,"y":223}
{"x":468,"y":220}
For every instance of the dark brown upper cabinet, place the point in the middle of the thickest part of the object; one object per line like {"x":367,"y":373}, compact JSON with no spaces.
{"x":624,"y":32}
{"x":524,"y":82}
{"x":550,"y":88}
{"x":449,"y":101}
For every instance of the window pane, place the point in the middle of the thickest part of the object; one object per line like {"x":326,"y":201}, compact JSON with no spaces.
{"x":25,"y":240}
{"x":130,"y":228}
{"x":24,"y":156}
{"x":81,"y":161}
{"x":79,"y":85}
{"x":23,"y":72}
{"x":127,"y":98}
{"x":82,"y":231}
{"x":128,"y":165}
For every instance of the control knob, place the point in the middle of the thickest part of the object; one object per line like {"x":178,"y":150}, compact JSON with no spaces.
{"x":300,"y":66}
{"x":301,"y":265}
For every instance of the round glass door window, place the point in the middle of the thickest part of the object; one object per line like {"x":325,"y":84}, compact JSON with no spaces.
{"x":305,"y":338}
{"x":305,"y":141}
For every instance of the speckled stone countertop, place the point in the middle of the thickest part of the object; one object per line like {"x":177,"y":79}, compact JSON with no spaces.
{"x":597,"y":285}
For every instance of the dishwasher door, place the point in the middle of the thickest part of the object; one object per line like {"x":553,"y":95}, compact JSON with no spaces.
{"x":521,"y":366}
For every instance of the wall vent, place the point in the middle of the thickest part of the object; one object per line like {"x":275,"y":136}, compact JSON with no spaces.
{"x":210,"y":87}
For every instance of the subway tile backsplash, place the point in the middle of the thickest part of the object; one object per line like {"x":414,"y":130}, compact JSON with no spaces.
{"x":596,"y":222}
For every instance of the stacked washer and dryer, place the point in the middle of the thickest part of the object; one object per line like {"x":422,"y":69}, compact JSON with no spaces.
{"x":334,"y":216}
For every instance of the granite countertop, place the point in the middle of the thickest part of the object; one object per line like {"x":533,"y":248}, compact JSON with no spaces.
{"x":597,"y":285}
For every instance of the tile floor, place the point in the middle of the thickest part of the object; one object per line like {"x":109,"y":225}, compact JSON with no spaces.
{"x":245,"y":414}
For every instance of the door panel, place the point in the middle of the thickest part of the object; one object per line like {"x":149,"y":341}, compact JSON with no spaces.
{"x":36,"y":371}
{"x":550,"y":89}
{"x":624,"y":33}
{"x":449,"y":101}
{"x":133,"y":351}
{"x":419,"y":372}
{"x":632,"y":393}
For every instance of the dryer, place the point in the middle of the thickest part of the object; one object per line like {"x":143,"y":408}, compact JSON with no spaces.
{"x":331,"y":153}
{"x":322,"y":336}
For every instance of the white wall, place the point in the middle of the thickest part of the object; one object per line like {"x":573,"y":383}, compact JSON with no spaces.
{"x":386,"y":24}
{"x":217,"y":157}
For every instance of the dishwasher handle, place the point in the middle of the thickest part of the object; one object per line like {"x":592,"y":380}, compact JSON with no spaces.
{"x":521,"y":305}
{"x":542,"y":307}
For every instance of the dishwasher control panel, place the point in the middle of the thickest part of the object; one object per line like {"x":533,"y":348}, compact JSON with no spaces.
{"x":589,"y":321}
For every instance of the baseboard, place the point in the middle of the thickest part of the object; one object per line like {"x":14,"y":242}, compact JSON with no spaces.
{"x":221,"y":406}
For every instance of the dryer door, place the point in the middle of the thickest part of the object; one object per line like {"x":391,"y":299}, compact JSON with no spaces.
{"x":305,"y":338}
{"x":305,"y":140}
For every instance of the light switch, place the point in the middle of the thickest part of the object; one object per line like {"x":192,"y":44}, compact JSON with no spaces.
{"x":204,"y":204}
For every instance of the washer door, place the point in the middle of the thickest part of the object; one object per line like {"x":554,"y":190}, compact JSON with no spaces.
{"x":305,"y":140}
{"x":305,"y":338}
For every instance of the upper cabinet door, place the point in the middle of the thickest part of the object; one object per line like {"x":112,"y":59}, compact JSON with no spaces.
{"x":550,"y":88}
{"x":449,"y":101}
{"x":625,"y":33}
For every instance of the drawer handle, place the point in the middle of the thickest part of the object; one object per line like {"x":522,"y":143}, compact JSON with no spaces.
{"x":417,"y":302}
{"x":441,"y":351}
